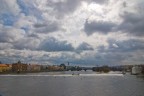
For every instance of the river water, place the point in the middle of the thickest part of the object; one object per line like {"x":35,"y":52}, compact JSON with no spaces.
{"x":66,"y":84}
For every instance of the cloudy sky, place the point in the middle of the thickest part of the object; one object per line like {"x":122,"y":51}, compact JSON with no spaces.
{"x":82,"y":32}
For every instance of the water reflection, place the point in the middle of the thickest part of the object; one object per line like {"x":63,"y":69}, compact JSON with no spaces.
{"x":140,"y":77}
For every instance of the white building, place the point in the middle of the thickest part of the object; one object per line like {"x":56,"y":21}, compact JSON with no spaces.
{"x":136,"y":70}
{"x":33,"y":67}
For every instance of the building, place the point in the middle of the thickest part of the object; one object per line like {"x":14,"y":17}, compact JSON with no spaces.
{"x":44,"y":67}
{"x":5,"y":67}
{"x":136,"y":70}
{"x":142,"y":69}
{"x":34,"y":67}
{"x":19,"y":67}
{"x":55,"y":68}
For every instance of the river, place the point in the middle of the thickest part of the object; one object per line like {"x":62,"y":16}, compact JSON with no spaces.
{"x":65,"y":84}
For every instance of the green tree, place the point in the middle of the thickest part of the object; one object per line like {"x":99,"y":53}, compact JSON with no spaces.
{"x":19,"y":62}
{"x":63,"y":65}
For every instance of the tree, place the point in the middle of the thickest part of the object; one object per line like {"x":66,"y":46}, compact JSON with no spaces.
{"x":19,"y":62}
{"x":0,"y":62}
{"x":79,"y":69}
{"x":105,"y":69}
{"x":63,"y":65}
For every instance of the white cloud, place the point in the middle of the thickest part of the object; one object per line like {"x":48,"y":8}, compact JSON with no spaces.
{"x":9,"y":6}
{"x":26,"y":28}
{"x":25,"y":21}
{"x":5,"y":46}
{"x":10,"y":34}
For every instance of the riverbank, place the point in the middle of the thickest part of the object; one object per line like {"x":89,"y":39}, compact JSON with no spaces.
{"x":26,"y":72}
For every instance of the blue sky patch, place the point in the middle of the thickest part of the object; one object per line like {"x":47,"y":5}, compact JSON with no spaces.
{"x":29,"y":9}
{"x":25,"y":28}
{"x":24,"y":8}
{"x":8,"y":19}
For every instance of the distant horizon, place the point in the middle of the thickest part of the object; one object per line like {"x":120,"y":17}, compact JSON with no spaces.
{"x":80,"y":65}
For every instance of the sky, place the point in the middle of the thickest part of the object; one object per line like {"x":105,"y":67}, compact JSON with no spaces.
{"x":81,"y":32}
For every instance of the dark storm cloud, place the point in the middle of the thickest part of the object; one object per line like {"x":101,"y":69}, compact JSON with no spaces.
{"x":130,"y":45}
{"x":33,"y":35}
{"x":118,"y":51}
{"x":6,"y":37}
{"x":110,"y":58}
{"x":51,"y":44}
{"x":98,"y":26}
{"x":46,"y":27}
{"x":26,"y":43}
{"x":105,"y":55}
{"x":84,"y":46}
{"x":133,"y":23}
{"x":63,"y":7}
{"x":38,"y":25}
{"x":69,"y":6}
